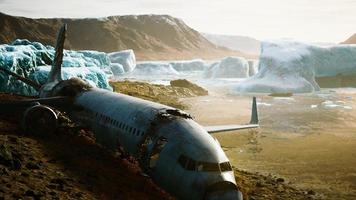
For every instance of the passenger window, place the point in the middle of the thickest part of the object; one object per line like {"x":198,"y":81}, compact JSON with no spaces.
{"x":160,"y":144}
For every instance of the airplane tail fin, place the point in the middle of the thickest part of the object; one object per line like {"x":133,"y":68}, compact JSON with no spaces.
{"x":55,"y":75}
{"x":254,"y":114}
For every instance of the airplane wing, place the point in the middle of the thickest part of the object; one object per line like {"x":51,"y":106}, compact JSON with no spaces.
{"x":232,"y":127}
{"x":9,"y":106}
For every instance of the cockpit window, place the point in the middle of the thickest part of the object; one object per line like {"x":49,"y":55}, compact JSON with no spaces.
{"x":192,"y":165}
{"x":208,"y":167}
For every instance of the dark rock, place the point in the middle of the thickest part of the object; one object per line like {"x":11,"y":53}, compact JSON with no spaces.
{"x":4,"y":171}
{"x":58,"y":181}
{"x":16,"y":196}
{"x":30,"y":193}
{"x":25,"y":174}
{"x":17,"y":164}
{"x":13,"y":139}
{"x":35,"y":195}
{"x":52,"y":193}
{"x":311,"y":192}
{"x":79,"y":194}
{"x":32,"y":165}
{"x":5,"y":156}
{"x":9,"y":159}
{"x":52,"y":186}
{"x":280,"y":180}
{"x":259,"y":184}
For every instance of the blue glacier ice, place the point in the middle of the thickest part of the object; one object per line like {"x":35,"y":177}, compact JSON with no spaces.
{"x":32,"y":60}
{"x":290,"y":66}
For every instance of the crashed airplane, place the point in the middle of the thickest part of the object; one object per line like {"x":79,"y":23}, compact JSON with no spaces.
{"x":180,"y":155}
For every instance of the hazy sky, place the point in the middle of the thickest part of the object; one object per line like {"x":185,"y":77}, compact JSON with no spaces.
{"x":306,"y":20}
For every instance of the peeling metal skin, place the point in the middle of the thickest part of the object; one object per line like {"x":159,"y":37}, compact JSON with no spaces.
{"x":158,"y":136}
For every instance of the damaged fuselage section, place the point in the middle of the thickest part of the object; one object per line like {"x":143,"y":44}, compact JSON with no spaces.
{"x":170,"y":146}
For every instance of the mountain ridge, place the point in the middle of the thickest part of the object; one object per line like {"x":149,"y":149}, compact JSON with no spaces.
{"x":235,"y":42}
{"x":150,"y":36}
{"x":350,"y":40}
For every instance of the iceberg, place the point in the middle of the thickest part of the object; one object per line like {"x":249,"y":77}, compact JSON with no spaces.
{"x":251,"y":68}
{"x":229,"y":67}
{"x":153,"y":69}
{"x":32,"y":60}
{"x":291,"y":67}
{"x":189,"y":65}
{"x":125,"y":58}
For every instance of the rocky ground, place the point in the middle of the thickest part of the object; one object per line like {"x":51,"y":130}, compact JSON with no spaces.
{"x":66,"y":165}
{"x":70,"y":165}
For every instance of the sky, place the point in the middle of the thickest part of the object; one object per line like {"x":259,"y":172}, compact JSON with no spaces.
{"x":305,"y":20}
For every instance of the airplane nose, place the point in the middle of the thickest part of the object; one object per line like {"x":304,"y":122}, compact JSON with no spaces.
{"x":225,"y":195}
{"x":223,"y":191}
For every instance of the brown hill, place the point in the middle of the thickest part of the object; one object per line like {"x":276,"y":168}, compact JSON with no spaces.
{"x":150,"y":36}
{"x":350,"y":40}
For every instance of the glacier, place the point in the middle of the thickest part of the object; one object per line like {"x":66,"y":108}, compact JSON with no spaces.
{"x":228,"y":67}
{"x":291,"y":67}
{"x":153,"y":68}
{"x":189,"y":65}
{"x":32,"y":60}
{"x":126,"y":59}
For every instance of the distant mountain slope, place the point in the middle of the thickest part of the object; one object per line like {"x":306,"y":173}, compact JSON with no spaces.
{"x":238,"y":43}
{"x":350,"y":40}
{"x":151,"y":36}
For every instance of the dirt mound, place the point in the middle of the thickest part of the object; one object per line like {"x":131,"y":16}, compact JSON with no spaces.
{"x":168,"y":95}
{"x":183,"y":83}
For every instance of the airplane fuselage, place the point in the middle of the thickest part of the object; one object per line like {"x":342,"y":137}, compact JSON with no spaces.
{"x":170,"y":146}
